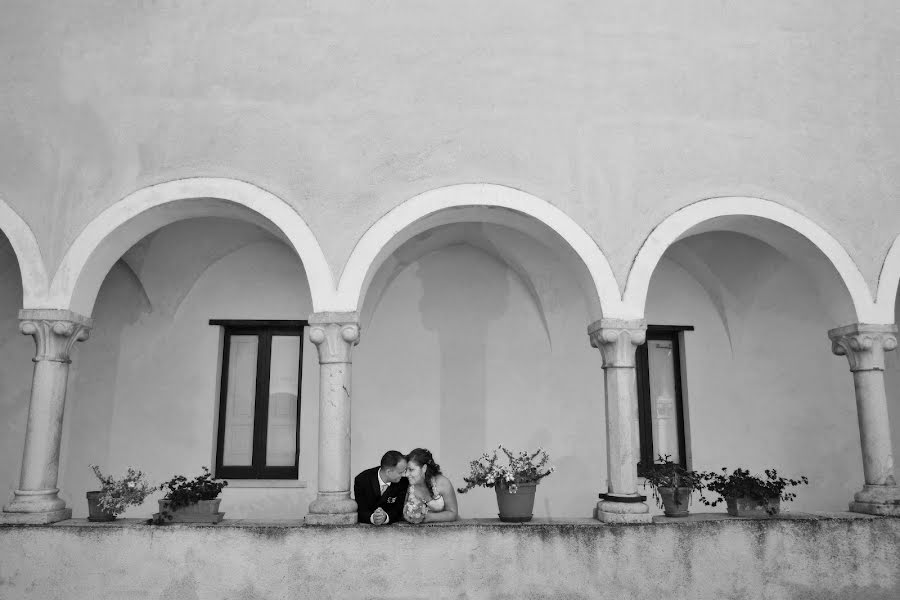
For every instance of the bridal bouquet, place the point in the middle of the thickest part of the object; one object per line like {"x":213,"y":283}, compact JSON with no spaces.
{"x":524,"y":467}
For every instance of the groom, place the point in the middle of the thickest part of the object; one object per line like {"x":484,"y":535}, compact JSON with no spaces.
{"x":381,"y":491}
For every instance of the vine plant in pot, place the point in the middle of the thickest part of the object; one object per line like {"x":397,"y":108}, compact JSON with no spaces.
{"x":190,"y":500}
{"x":515,"y":482}
{"x":115,"y":495}
{"x":672,"y":485}
{"x":747,"y":495}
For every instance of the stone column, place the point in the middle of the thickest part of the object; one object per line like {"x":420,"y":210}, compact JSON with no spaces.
{"x":864,"y":346}
{"x":334,"y":334}
{"x":55,"y":332}
{"x":617,"y":340}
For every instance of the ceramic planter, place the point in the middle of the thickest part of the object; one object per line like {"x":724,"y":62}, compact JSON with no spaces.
{"x":518,"y":507}
{"x":675,"y":500}
{"x":95,"y":512}
{"x":749,"y":507}
{"x":204,"y":511}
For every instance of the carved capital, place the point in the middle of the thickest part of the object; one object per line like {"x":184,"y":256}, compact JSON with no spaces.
{"x":334,"y":335}
{"x":617,"y":339}
{"x":54,"y":331}
{"x":863,"y":344}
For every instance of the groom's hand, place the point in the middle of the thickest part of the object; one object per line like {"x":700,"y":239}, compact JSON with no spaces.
{"x":379,"y":516}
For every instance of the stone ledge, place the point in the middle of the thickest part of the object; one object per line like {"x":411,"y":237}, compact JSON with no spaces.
{"x":823,"y":556}
{"x":698,"y":519}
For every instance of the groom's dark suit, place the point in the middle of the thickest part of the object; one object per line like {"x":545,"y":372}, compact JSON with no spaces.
{"x":367,"y":492}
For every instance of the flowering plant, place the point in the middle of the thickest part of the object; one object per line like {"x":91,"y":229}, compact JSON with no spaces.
{"x":741,"y":484}
{"x":117,"y":494}
{"x":667,"y":474}
{"x":523,"y":467}
{"x":181,"y":491}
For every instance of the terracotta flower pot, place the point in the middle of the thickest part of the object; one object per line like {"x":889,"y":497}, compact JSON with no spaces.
{"x":748,"y":507}
{"x":95,"y":512}
{"x":518,"y":507}
{"x":675,"y":500}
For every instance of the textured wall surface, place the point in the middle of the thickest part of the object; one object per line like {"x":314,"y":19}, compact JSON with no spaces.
{"x":778,"y":559}
{"x":617,"y":113}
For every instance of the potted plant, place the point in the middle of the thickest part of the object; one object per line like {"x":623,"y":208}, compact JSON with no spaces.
{"x":749,"y":495}
{"x":672,"y":485}
{"x":515,"y":483}
{"x":115,"y":495}
{"x":190,"y":500}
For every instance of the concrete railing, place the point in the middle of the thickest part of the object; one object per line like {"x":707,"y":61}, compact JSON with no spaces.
{"x":706,"y":556}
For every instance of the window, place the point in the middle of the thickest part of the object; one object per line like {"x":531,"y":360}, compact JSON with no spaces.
{"x":660,"y":398}
{"x":259,"y":399}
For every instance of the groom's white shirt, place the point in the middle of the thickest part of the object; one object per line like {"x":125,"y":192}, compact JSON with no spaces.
{"x":383,"y":485}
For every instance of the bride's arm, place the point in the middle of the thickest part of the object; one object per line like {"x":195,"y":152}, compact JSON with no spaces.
{"x":443,"y":487}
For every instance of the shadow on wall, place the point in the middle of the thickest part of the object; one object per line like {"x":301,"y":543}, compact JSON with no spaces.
{"x":91,"y":401}
{"x":16,"y":351}
{"x":460,"y":316}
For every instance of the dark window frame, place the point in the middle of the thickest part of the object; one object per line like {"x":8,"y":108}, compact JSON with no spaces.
{"x":264,"y":330}
{"x":670,"y":333}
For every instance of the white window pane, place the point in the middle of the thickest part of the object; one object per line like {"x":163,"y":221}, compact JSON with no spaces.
{"x":240,"y":401}
{"x":284,"y":379}
{"x":663,"y":414}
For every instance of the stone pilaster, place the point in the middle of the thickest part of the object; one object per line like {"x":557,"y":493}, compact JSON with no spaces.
{"x":864,"y":346}
{"x":55,"y":332}
{"x":617,"y":341}
{"x":334,"y":335}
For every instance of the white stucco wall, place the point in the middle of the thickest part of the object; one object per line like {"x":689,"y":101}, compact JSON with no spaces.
{"x":773,"y":395}
{"x":463,"y":350}
{"x":617,"y":114}
{"x":161,"y":405}
{"x":16,"y":351}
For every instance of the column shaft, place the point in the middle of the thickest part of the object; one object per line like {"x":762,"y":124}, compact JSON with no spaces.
{"x":334,"y":335}
{"x":864,"y":346}
{"x":617,"y":340}
{"x":55,"y":332}
{"x":874,"y":427}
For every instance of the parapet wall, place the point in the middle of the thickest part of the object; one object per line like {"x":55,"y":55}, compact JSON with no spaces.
{"x":821,"y":557}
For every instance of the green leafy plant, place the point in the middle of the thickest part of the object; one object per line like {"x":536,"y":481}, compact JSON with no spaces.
{"x":667,"y":474}
{"x":181,"y":491}
{"x":741,"y":484}
{"x":523,"y":467}
{"x":117,"y":494}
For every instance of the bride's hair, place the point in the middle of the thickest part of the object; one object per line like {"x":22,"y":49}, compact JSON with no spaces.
{"x":422,"y":456}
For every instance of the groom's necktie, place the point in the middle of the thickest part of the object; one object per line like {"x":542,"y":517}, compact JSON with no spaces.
{"x":383,"y":488}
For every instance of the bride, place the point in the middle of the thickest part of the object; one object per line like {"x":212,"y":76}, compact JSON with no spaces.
{"x":430,"y":497}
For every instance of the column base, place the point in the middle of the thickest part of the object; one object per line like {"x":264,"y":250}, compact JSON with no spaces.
{"x":623,"y":512}
{"x":332,"y":508}
{"x":35,"y":518}
{"x":35,"y":501}
{"x":877,"y":500}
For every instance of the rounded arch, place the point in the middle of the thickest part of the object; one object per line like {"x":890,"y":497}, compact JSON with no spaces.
{"x":398,"y":225}
{"x":889,"y":284}
{"x":35,"y":282}
{"x":688,"y":218}
{"x":102,"y":242}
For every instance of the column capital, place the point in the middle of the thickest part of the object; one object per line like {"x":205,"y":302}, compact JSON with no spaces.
{"x":864,"y":344}
{"x":54,"y":331}
{"x":616,"y":339}
{"x":334,"y":335}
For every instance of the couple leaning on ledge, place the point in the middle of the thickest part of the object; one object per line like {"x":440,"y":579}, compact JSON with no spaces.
{"x":407,"y":488}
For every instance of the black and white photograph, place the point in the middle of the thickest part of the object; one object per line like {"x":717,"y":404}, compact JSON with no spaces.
{"x":384,"y":299}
